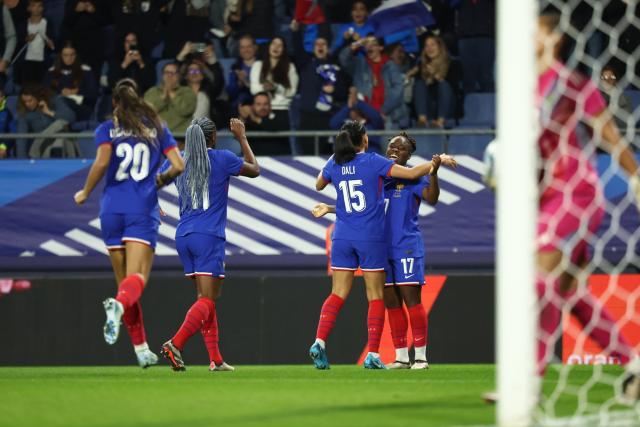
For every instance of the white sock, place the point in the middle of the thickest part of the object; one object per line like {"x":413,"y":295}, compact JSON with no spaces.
{"x":141,"y":347}
{"x":421,"y":353}
{"x":321,"y":342}
{"x":402,"y":355}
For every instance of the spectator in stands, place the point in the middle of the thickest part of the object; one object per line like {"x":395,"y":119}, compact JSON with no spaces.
{"x":406,"y":64}
{"x":309,"y":21}
{"x":379,"y":81}
{"x":174,"y":103}
{"x":323,"y":87}
{"x":259,"y":117}
{"x":133,"y":64}
{"x":276,"y":75}
{"x":254,"y":17}
{"x":436,"y":84}
{"x":74,"y":81}
{"x":213,"y":78}
{"x":238,"y":84}
{"x":362,"y":112}
{"x":39,"y":112}
{"x":32,"y":67}
{"x":353,"y":31}
{"x":188,"y":20}
{"x":140,"y":17}
{"x":611,"y":92}
{"x":5,"y":123}
{"x":476,"y":43}
{"x":7,"y":39}
{"x":193,"y":76}
{"x":82,"y":25}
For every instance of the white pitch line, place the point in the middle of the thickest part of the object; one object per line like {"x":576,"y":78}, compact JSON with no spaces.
{"x":277,"y":212}
{"x":286,"y":193}
{"x":59,"y":249}
{"x":293,"y":174}
{"x":426,"y":209}
{"x":87,"y":239}
{"x":454,"y":178}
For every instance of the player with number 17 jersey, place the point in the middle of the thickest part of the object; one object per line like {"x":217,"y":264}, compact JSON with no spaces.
{"x":130,"y":186}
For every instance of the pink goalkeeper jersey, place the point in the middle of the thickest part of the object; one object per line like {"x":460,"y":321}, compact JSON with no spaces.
{"x":564,"y":99}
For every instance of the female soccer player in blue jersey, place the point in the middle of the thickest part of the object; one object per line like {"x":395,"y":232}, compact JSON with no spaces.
{"x":200,"y":236}
{"x":130,"y":150}
{"x":359,"y":237}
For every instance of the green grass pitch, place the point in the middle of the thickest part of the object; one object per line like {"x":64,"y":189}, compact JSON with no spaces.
{"x":262,"y":396}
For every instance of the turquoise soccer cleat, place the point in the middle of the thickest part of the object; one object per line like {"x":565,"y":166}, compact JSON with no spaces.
{"x":319,"y":356}
{"x":373,"y":362}
{"x":113,"y":311}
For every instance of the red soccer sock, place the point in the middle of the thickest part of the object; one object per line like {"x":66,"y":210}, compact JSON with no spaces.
{"x":197,"y":315}
{"x":330,"y":309}
{"x":419,"y":324}
{"x":132,"y":319}
{"x":209,"y":332}
{"x":399,"y":325}
{"x":130,"y":290}
{"x":375,"y":324}
{"x":602,"y":328}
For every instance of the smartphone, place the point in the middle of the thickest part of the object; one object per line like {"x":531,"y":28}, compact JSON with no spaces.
{"x":198,"y":47}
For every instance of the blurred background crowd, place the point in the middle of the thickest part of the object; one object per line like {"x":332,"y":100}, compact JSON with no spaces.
{"x":277,"y":64}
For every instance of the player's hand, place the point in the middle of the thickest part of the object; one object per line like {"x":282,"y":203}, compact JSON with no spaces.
{"x":320,"y":210}
{"x":80,"y":197}
{"x":435,"y":164}
{"x":237,"y":128}
{"x":448,"y":160}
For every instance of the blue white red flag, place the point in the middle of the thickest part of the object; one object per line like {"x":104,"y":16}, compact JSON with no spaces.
{"x":398,"y":15}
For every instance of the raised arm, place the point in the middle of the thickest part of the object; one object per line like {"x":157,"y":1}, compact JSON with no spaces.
{"x":431,"y":193}
{"x":97,"y":171}
{"x":250,"y":168}
{"x":321,"y":183}
{"x":420,"y":170}
{"x":176,"y":168}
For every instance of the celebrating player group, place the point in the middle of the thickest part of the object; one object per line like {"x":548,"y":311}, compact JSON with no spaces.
{"x":376,"y":226}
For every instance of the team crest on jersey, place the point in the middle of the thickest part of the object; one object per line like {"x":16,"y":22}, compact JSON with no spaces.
{"x":398,"y":192}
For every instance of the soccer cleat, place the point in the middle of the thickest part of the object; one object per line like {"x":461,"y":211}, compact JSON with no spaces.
{"x":173,"y":355}
{"x":373,"y":362}
{"x":319,"y":356}
{"x":113,"y":310}
{"x":222,"y":367}
{"x":420,"y":364}
{"x":399,"y":365}
{"x":146,"y":358}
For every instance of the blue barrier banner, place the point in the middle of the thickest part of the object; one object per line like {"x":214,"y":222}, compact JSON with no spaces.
{"x":269,"y":221}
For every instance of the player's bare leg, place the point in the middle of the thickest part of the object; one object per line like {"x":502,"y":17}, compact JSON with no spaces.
{"x":374,"y":282}
{"x":399,"y":325}
{"x":211,"y":288}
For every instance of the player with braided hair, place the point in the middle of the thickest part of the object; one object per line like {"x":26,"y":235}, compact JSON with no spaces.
{"x":200,"y":235}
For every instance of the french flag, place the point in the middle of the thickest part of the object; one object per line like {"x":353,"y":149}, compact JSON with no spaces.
{"x":398,"y":15}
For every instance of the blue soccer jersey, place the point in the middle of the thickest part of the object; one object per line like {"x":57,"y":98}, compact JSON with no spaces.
{"x":130,"y":186}
{"x":360,"y":201}
{"x":403,"y":235}
{"x":213,"y":218}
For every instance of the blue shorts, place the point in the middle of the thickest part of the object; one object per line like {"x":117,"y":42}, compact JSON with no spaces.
{"x":201,"y":254}
{"x":117,"y":229}
{"x":349,"y":255}
{"x":405,"y":271}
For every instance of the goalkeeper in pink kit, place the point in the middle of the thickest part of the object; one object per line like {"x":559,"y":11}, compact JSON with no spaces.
{"x":571,"y":205}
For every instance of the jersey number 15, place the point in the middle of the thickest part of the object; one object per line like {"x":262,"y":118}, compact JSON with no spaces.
{"x":136,"y":156}
{"x":349,"y":193}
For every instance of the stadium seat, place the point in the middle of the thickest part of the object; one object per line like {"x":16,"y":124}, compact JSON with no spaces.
{"x":479,"y":110}
{"x":12,"y":105}
{"x":226,"y":64}
{"x":428,"y":145}
{"x":472,"y":145}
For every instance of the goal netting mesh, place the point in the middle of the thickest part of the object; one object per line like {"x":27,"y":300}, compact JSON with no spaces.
{"x":588,"y":297}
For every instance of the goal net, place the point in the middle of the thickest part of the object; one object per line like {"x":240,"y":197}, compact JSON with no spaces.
{"x":581,"y":281}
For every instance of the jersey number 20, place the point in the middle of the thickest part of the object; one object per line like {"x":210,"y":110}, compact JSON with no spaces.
{"x":136,"y":156}
{"x":349,"y":193}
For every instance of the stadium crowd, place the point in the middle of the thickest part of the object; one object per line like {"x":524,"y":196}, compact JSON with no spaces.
{"x":277,"y":64}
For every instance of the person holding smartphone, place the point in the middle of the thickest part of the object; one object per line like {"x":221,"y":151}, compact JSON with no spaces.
{"x":133,"y":64}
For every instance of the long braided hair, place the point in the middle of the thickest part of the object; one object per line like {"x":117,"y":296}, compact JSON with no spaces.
{"x":193,"y":184}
